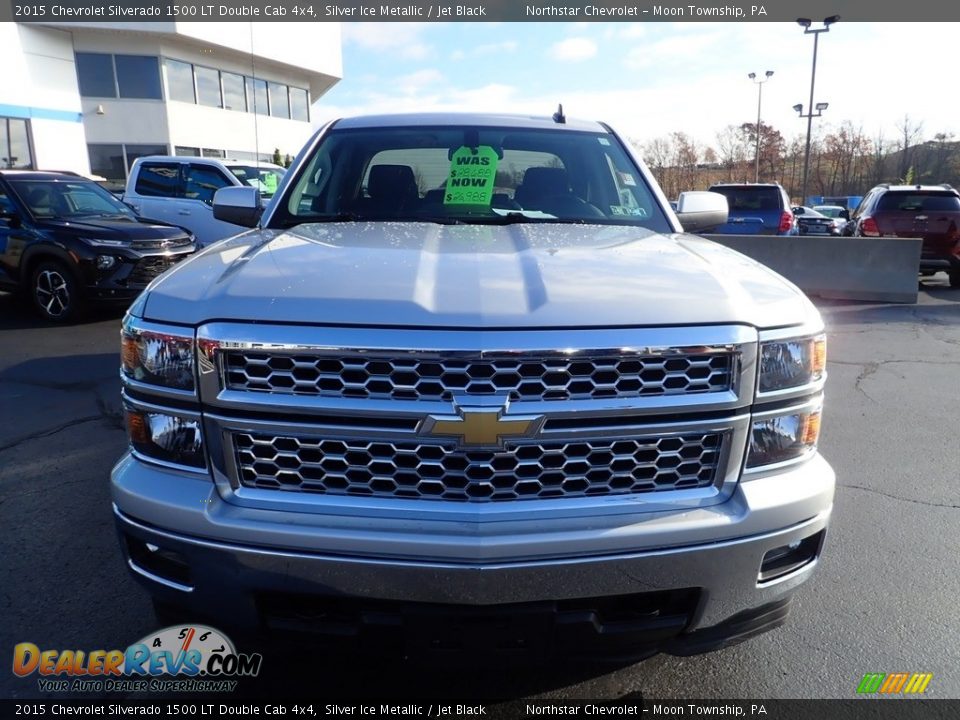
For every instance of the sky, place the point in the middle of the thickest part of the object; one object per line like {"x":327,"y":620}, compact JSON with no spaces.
{"x":650,"y":79}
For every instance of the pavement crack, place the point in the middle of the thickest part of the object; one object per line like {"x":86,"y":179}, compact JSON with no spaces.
{"x":50,"y":431}
{"x":897,"y":497}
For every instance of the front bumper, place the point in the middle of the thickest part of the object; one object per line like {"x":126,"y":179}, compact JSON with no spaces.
{"x":236,"y":557}
{"x":130,"y":273}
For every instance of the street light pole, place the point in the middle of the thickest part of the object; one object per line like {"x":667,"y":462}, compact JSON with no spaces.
{"x":806,"y":23}
{"x":759,"y":83}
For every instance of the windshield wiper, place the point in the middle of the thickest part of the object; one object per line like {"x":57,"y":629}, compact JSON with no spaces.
{"x":518,"y":217}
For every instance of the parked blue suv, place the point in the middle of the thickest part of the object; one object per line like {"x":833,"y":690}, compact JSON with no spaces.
{"x":757,"y":209}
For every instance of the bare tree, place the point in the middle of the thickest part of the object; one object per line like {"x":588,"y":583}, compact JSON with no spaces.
{"x":732,"y":151}
{"x":910,"y":134}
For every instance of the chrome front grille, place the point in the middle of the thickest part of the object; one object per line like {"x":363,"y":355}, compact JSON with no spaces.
{"x":519,"y":471}
{"x":386,"y":376}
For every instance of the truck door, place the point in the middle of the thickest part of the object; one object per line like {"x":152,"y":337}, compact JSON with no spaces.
{"x":200,"y":182}
{"x":155,"y":193}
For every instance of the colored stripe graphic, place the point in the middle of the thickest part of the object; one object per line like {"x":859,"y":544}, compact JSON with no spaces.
{"x":918,"y":683}
{"x":893,"y":683}
{"x":871,"y":683}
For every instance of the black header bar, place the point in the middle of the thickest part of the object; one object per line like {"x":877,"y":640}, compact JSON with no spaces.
{"x":475,"y":11}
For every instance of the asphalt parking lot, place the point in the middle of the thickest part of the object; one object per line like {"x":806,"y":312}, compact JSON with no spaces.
{"x":885,"y":598}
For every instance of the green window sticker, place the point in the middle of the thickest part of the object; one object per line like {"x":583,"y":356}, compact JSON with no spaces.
{"x":270,"y":183}
{"x":472,"y":175}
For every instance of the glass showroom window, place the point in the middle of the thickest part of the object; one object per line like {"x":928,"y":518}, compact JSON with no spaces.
{"x":95,"y":75}
{"x":15,"y":150}
{"x":107,"y":161}
{"x":180,"y":81}
{"x":138,"y":77}
{"x":279,"y":102}
{"x":234,"y":95}
{"x":208,"y":86}
{"x":257,"y":96}
{"x":113,"y":161}
{"x":299,"y":104}
{"x":137,"y":151}
{"x":125,"y":76}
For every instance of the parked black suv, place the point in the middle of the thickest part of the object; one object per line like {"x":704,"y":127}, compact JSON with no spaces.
{"x":65,"y":240}
{"x":929,"y":212}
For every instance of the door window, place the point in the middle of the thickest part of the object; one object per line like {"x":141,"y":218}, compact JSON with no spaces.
{"x":202,"y":182}
{"x":158,"y":180}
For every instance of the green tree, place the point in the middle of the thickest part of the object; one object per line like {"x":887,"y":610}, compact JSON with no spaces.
{"x":277,"y":157}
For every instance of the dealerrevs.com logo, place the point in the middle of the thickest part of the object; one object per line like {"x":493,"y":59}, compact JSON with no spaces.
{"x":191,"y":658}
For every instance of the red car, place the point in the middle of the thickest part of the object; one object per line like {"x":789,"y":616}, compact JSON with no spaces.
{"x":929,"y":212}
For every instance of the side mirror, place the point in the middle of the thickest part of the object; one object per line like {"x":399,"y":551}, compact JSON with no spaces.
{"x":11,"y":218}
{"x":237,"y":205}
{"x":797,"y":211}
{"x":699,"y":210}
{"x":845,"y":214}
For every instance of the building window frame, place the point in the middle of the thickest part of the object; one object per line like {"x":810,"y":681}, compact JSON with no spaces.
{"x":5,"y":152}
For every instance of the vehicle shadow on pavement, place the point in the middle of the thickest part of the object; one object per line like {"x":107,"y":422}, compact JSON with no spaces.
{"x":304,"y":670}
{"x":16,"y":314}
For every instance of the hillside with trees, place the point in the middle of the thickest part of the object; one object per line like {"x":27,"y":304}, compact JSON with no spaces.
{"x":843,"y":160}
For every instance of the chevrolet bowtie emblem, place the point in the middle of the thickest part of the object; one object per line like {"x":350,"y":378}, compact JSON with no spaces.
{"x":482,"y":427}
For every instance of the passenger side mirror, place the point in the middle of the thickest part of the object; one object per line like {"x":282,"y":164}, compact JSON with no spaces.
{"x":11,"y":218}
{"x":237,"y":205}
{"x":700,"y":210}
{"x":845,"y":214}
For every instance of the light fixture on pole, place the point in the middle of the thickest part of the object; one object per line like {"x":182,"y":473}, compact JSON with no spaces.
{"x":759,"y":83}
{"x":806,"y":24}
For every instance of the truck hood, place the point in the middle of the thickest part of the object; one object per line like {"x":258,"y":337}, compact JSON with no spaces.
{"x":414,"y":274}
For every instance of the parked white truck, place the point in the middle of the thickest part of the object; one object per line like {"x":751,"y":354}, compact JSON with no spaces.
{"x":179,"y":190}
{"x":469,"y":384}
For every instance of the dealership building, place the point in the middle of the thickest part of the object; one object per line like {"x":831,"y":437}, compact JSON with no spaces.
{"x":91,"y":97}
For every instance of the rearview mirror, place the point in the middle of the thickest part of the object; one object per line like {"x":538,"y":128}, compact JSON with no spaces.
{"x":237,"y":205}
{"x":699,"y":210}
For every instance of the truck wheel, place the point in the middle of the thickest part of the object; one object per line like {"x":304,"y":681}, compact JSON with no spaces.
{"x":55,"y":292}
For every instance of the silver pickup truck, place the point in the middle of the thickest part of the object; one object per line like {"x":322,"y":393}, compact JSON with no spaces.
{"x":469,"y":385}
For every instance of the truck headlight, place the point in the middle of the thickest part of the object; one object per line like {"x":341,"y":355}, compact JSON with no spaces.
{"x":166,"y":437}
{"x":792,"y":362}
{"x":784,"y":435}
{"x":157,"y":355}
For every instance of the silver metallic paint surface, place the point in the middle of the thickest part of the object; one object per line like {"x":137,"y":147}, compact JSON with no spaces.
{"x":416,"y":274}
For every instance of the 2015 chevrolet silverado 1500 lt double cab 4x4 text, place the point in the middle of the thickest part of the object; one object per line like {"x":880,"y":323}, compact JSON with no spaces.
{"x":469,"y":383}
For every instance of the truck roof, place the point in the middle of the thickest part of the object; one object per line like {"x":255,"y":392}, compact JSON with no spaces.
{"x":476,"y":119}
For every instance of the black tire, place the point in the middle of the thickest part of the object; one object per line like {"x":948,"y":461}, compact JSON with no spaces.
{"x":54,"y":292}
{"x":955,"y":279}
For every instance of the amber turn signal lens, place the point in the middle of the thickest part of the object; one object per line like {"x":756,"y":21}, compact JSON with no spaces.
{"x":811,"y":429}
{"x":137,"y":428}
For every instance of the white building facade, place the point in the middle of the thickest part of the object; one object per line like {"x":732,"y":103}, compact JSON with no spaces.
{"x":92,"y":97}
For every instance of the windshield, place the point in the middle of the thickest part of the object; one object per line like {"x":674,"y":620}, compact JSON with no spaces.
{"x":829,"y":211}
{"x":475,"y":175}
{"x":69,"y":198}
{"x":265,"y":179}
{"x":750,"y":197}
{"x":919,"y":202}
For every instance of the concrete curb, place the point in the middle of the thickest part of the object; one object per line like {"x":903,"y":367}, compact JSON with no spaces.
{"x":844,"y":268}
